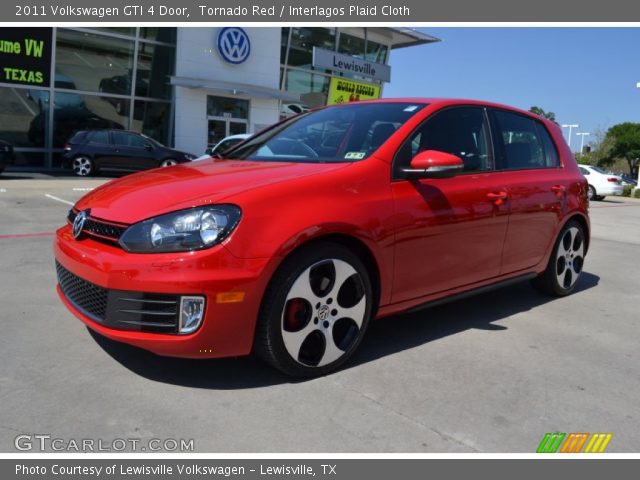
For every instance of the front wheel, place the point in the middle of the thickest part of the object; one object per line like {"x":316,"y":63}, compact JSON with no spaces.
{"x":565,"y":265}
{"x":315,"y":311}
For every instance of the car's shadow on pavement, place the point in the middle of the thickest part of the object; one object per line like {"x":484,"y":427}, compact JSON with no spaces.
{"x":384,"y":337}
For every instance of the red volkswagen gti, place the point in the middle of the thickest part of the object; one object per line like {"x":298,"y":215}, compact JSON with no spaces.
{"x":307,"y":231}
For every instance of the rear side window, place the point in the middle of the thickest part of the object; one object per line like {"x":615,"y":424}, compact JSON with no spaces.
{"x":78,"y":136}
{"x":128,"y":139}
{"x":98,"y":136}
{"x":522,"y":143}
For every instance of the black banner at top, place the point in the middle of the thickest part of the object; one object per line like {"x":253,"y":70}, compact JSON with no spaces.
{"x":296,"y":11}
{"x":25,"y":56}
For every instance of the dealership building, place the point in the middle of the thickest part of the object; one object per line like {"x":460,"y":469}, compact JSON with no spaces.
{"x":186,"y":87}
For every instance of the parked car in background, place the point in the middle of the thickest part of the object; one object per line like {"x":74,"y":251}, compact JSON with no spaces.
{"x":226,"y":143}
{"x":601,"y":183}
{"x":291,"y":109}
{"x":67,"y":122}
{"x":7,"y":156}
{"x":62,"y":99}
{"x":291,"y":245}
{"x":628,"y":179}
{"x":89,"y":151}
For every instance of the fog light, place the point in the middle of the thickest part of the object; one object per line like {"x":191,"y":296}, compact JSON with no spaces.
{"x":191,"y":313}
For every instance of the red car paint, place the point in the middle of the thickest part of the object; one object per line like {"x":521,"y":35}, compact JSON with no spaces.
{"x":429,"y":239}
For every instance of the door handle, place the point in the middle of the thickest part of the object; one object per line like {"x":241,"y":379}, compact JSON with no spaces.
{"x":559,"y":190}
{"x":497,"y":198}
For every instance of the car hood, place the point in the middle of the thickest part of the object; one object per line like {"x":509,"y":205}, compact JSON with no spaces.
{"x":144,"y":195}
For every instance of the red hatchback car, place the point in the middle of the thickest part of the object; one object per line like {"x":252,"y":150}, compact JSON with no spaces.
{"x":304,"y":233}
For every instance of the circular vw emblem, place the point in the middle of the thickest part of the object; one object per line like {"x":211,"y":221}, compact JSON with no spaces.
{"x":78,"y":222}
{"x":233,"y":44}
{"x":323,"y":312}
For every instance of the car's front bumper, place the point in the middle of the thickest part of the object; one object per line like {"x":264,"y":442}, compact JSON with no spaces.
{"x":227,"y":328}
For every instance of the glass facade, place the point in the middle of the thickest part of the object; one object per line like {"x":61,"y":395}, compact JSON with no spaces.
{"x":102,"y":77}
{"x":297,"y":74}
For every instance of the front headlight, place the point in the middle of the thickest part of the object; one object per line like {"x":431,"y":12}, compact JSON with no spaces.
{"x":182,"y":231}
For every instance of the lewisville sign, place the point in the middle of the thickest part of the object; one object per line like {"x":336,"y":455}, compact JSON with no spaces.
{"x":346,"y":63}
{"x":25,"y":56}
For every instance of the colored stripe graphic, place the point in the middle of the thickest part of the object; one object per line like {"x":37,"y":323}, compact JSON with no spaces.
{"x":574,"y":443}
{"x":550,"y":442}
{"x":598,"y":442}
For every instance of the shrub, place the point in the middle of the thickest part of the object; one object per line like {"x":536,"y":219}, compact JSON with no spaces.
{"x":636,"y":193}
{"x":626,"y":191}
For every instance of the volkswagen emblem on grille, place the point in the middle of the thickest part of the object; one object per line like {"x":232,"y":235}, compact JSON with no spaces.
{"x":78,"y":222}
{"x":233,"y":44}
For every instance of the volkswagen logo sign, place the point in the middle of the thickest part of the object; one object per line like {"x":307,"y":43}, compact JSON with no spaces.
{"x":78,"y":222}
{"x":233,"y":44}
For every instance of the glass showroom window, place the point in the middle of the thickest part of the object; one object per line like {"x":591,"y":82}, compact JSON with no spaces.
{"x":312,"y":88}
{"x":351,"y":45}
{"x":93,"y":62}
{"x":303,"y":39}
{"x":152,"y":119}
{"x":376,"y":52}
{"x":159,"y":34}
{"x":227,"y":107}
{"x":155,"y":65}
{"x":23,"y":113}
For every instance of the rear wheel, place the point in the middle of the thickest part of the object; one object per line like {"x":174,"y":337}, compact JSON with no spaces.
{"x":82,"y":166}
{"x":315,"y":311}
{"x":591,"y":193}
{"x":565,"y":265}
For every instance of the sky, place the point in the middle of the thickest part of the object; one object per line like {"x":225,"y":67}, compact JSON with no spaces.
{"x":586,"y":76}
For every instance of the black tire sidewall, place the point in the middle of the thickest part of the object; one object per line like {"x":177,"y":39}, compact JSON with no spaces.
{"x":275,"y":296}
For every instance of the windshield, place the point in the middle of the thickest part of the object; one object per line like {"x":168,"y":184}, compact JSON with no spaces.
{"x":344,"y":133}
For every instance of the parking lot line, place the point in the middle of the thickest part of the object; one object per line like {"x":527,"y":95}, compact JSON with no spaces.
{"x":58,"y":199}
{"x":27,"y":235}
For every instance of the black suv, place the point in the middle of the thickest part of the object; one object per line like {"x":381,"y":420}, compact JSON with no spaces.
{"x":89,"y":151}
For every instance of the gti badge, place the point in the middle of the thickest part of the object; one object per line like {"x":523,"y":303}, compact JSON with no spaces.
{"x":78,"y":222}
{"x":233,"y":44}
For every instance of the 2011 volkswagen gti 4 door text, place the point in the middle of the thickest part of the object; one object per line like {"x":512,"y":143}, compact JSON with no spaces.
{"x":304,"y":233}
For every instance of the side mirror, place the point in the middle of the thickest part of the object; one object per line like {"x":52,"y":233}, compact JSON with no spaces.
{"x":433,"y":164}
{"x":148,"y":146}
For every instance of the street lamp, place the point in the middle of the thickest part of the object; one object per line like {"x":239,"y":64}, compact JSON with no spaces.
{"x":570,"y":126}
{"x":582,"y":134}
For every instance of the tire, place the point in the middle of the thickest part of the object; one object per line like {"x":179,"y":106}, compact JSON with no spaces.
{"x":591,"y":193}
{"x":83,"y":166}
{"x":599,"y":198}
{"x":315,"y":311}
{"x":168,"y":162}
{"x":565,"y":264}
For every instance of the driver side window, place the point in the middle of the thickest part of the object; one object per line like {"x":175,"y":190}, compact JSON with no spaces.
{"x":461,"y":131}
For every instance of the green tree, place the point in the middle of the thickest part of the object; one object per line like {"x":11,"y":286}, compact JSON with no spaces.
{"x":623,"y":142}
{"x":539,"y":111}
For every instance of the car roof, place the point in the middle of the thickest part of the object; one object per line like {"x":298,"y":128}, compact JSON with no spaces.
{"x":443,"y":102}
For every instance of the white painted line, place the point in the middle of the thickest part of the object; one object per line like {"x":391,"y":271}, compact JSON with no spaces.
{"x":58,"y":199}
{"x":24,"y":102}
{"x":82,"y":58}
{"x":82,"y":189}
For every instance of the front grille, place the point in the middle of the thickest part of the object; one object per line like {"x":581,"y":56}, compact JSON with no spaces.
{"x":88,"y":297}
{"x":121,"y":309}
{"x":99,"y":228}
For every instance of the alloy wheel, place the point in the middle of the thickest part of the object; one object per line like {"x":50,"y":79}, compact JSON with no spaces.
{"x":323,"y":313}
{"x":82,"y":166}
{"x":569,"y":257}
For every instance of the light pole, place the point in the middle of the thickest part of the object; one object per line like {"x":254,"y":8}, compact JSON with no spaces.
{"x":570,"y":126}
{"x":582,"y":134}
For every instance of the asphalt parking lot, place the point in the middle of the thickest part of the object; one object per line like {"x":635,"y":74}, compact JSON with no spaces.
{"x":492,"y":373}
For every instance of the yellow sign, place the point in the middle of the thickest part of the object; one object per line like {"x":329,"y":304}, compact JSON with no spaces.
{"x":345,"y":91}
